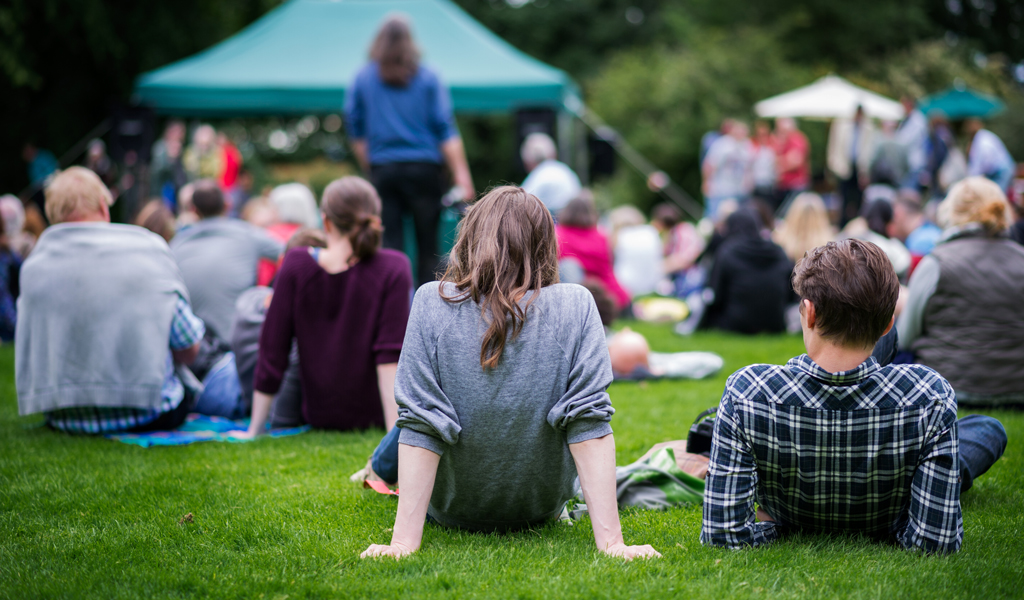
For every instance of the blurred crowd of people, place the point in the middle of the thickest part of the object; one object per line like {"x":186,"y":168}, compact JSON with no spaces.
{"x":732,"y":269}
{"x":729,"y":271}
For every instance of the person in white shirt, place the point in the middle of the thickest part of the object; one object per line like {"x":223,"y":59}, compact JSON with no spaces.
{"x":728,"y":169}
{"x":637,"y":249}
{"x":987,"y":155}
{"x":553,"y":182}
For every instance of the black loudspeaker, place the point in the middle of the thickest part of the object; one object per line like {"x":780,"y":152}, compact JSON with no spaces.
{"x":602,"y":152}
{"x":131,"y":134}
{"x":534,"y":120}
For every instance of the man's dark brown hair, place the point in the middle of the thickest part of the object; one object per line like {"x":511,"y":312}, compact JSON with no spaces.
{"x":853,"y":288}
{"x":207,"y":199}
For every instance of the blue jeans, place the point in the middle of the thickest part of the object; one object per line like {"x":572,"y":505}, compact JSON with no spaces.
{"x":222,"y":391}
{"x":982,"y":442}
{"x":385,"y":457}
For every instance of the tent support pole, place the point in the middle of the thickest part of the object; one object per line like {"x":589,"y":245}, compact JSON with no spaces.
{"x":668,"y":189}
{"x":565,"y":136}
{"x":581,"y":156}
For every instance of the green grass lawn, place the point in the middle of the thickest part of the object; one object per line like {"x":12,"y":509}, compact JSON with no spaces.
{"x":276,"y":518}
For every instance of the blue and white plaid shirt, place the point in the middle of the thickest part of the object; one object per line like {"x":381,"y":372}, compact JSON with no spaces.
{"x":873,"y":450}
{"x":186,"y":331}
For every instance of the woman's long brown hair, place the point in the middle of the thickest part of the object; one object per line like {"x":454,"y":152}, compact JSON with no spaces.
{"x":506,"y":248}
{"x":395,"y":52}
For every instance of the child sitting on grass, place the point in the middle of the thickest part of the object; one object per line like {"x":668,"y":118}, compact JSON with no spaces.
{"x":501,"y":388}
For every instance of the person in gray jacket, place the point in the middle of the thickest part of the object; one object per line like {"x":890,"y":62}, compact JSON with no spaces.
{"x":962,"y":316}
{"x":501,"y":388}
{"x":218,"y":257}
{"x":104,"y":320}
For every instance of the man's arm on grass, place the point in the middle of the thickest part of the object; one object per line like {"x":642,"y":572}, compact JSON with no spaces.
{"x":729,"y":515}
{"x":417,"y":468}
{"x":935,"y":523}
{"x":595,"y":463}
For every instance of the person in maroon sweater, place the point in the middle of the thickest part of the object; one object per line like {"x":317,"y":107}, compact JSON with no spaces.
{"x":346,"y":306}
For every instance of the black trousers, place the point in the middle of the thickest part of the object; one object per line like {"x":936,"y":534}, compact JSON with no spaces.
{"x":414,"y":189}
{"x":171,"y":419}
{"x":852,"y":196}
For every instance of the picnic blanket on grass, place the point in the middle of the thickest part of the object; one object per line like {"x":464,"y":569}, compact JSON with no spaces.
{"x":197,"y":428}
{"x":656,"y":481}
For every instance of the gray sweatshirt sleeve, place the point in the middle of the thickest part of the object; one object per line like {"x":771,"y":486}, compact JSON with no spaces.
{"x":922,"y":286}
{"x":585,"y":409}
{"x":425,"y":414}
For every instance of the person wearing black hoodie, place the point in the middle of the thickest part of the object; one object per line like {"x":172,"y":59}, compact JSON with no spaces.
{"x":750,"y":280}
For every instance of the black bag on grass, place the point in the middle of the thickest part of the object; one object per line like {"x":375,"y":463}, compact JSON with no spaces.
{"x":698,"y":441}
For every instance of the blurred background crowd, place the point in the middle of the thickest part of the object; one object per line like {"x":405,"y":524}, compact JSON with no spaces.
{"x":730,"y":194}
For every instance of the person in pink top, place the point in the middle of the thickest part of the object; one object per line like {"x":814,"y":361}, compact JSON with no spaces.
{"x":793,"y":160}
{"x":581,"y":240}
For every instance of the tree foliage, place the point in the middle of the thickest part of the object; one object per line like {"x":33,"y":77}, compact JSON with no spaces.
{"x":63,"y":64}
{"x":998,"y":25}
{"x":574,"y":35}
{"x":663,"y":100}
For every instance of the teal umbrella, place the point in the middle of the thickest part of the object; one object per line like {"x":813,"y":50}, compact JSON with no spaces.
{"x":962,"y":102}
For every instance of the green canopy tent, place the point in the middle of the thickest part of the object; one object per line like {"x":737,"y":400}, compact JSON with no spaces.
{"x":300,"y":57}
{"x":961,"y":102}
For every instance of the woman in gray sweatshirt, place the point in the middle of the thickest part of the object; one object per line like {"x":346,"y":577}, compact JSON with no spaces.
{"x":501,"y":388}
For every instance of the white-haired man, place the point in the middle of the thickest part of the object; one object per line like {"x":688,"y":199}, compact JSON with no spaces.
{"x":553,"y":182}
{"x":103,"y":317}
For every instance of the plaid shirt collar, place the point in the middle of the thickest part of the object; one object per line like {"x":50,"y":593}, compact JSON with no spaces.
{"x":804,"y":364}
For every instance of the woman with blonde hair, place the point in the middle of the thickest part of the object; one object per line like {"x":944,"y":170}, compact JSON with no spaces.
{"x":805,"y":227}
{"x":345,"y":306}
{"x":963,"y":315}
{"x":501,"y":388}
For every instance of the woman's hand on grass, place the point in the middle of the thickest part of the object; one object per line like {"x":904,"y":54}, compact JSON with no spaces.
{"x":395,"y":550}
{"x":631,"y":552}
{"x":595,"y":463}
{"x":417,"y":468}
{"x":260,"y":411}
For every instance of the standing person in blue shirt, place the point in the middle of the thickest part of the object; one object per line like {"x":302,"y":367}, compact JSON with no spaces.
{"x":399,"y":118}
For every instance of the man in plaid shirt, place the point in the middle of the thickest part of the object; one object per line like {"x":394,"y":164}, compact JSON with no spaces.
{"x":834,"y":442}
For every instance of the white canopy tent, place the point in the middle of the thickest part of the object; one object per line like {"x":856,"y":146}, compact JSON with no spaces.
{"x":830,"y":97}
